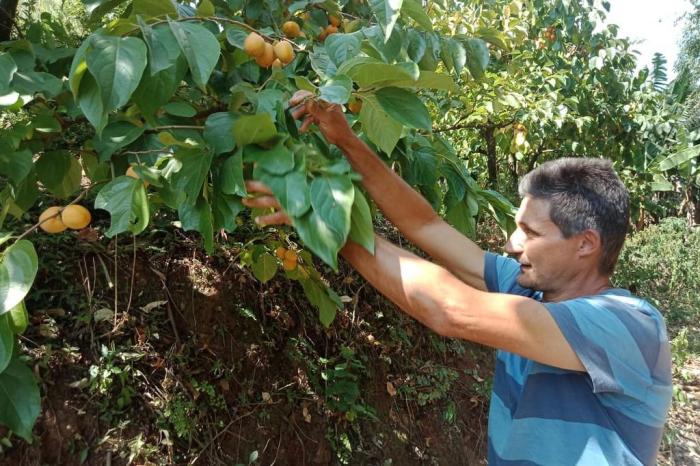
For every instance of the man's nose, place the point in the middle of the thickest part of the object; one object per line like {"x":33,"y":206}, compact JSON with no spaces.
{"x":515,"y":242}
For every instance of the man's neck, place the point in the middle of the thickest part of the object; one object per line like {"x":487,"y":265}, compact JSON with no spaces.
{"x":586,"y":285}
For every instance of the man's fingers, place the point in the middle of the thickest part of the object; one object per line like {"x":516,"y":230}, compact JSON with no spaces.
{"x":308,"y":122}
{"x":278,"y":218}
{"x":299,"y":97}
{"x":257,"y":187}
{"x":298,"y":112}
{"x":262,"y":202}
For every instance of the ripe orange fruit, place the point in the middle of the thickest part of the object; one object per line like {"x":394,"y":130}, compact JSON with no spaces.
{"x":322,"y":36}
{"x":284,"y":51}
{"x":268,"y":56}
{"x":334,"y":20}
{"x":254,"y":45}
{"x":289,"y":265}
{"x":291,"y":29}
{"x":331,"y":29}
{"x":280,"y":251}
{"x":76,"y":217}
{"x":54,"y":223}
{"x":355,"y":106}
{"x":290,"y":255}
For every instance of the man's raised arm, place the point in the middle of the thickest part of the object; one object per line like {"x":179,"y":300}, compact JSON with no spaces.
{"x":401,"y":204}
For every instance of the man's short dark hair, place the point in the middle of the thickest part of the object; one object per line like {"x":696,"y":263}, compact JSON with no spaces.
{"x":583,"y":193}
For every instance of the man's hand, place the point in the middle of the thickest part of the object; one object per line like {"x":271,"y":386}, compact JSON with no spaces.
{"x":328,"y":117}
{"x":264,"y":201}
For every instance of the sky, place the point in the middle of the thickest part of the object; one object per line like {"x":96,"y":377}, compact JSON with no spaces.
{"x":654,"y":24}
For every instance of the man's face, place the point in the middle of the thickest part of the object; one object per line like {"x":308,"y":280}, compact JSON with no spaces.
{"x":546,"y":257}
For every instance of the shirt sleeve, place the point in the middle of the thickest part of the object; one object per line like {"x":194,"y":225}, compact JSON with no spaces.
{"x":501,"y":275}
{"x":619,"y":342}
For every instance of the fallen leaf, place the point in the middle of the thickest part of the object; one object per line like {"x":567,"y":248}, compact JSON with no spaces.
{"x":390,"y":389}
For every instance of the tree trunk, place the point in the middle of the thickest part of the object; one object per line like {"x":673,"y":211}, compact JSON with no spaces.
{"x":8,"y":9}
{"x":488,"y":134}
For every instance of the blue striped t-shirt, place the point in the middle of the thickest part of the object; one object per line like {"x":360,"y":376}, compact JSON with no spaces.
{"x":612,"y":414}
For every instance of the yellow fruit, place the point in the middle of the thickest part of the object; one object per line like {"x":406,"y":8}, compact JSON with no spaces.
{"x":265,"y":60}
{"x":280,"y":251}
{"x":76,"y":217}
{"x":54,"y":223}
{"x":284,"y":51}
{"x":290,"y":256}
{"x":254,"y":45}
{"x":277,"y":63}
{"x":289,"y":265}
{"x":291,"y":29}
{"x":334,"y":20}
{"x":355,"y":106}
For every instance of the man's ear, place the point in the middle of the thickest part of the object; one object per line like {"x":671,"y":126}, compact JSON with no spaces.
{"x":590,"y":243}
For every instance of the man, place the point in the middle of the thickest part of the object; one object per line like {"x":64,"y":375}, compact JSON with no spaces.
{"x":583,"y":371}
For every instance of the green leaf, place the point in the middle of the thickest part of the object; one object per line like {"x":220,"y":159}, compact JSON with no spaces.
{"x":291,"y":190}
{"x":8,"y":68}
{"x":153,"y":8}
{"x":205,"y":8}
{"x":117,"y":65}
{"x":18,"y":266}
{"x":18,"y":318}
{"x":59,"y":172}
{"x":319,"y":237}
{"x":200,"y":47}
{"x":46,"y":123}
{"x":493,"y":37}
{"x":678,"y":158}
{"x":388,"y":50}
{"x":477,"y":57}
{"x":198,"y":217}
{"x":194,"y":172}
{"x":405,"y":107}
{"x":459,"y":216}
{"x":235,"y":35}
{"x":453,"y":55}
{"x":369,"y":72}
{"x":125,"y":200}
{"x":7,"y":341}
{"x":415,"y":10}
{"x":90,"y":102}
{"x":78,"y":68}
{"x":277,"y":159}
{"x":20,"y":401}
{"x":318,"y":296}
{"x":417,"y":45}
{"x":231,"y":175}
{"x":97,"y":8}
{"x":301,"y":82}
{"x":224,"y":209}
{"x":218,"y":132}
{"x":253,"y":129}
{"x":163,"y":49}
{"x":265,"y":267}
{"x":16,"y":165}
{"x":336,"y":90}
{"x":31,"y":82}
{"x":116,"y":136}
{"x":332,"y":198}
{"x":342,"y":47}
{"x":180,"y":109}
{"x":379,"y":127}
{"x":155,"y":90}
{"x":386,"y":12}
{"x":361,"y":229}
